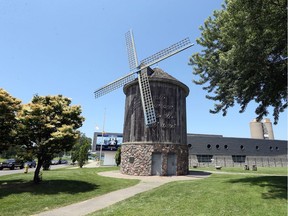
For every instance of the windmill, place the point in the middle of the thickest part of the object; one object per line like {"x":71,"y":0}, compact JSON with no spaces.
{"x":135,"y":68}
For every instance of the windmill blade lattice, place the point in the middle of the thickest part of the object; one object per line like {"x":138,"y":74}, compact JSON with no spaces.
{"x":145,"y":91}
{"x":131,"y":50}
{"x":165,"y":53}
{"x":114,"y":85}
{"x":146,"y":98}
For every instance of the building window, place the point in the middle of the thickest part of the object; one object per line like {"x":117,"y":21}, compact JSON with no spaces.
{"x":226,"y":147}
{"x":131,"y":159}
{"x":257,"y":148}
{"x":189,"y":145}
{"x":271,"y":148}
{"x":239,"y":158}
{"x":277,"y":148}
{"x":204,"y":158}
{"x":209,"y":146}
{"x":217,"y":146}
{"x":242,"y":147}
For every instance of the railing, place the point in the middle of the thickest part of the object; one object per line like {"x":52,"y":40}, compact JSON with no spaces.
{"x":227,"y":161}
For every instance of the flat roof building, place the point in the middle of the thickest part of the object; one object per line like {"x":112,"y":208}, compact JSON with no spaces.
{"x":209,"y":150}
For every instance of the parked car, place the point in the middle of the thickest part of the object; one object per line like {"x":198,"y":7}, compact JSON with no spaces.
{"x":63,"y":162}
{"x":12,"y":164}
{"x":54,"y":162}
{"x":60,"y":161}
{"x":31,"y":163}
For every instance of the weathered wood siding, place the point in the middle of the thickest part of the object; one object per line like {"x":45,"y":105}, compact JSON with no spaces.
{"x":169,"y":98}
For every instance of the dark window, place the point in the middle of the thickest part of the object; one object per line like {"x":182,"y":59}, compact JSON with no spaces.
{"x":277,"y":148}
{"x":239,"y":158}
{"x":217,"y":146}
{"x":131,"y":159}
{"x":271,"y":148}
{"x":204,"y":158}
{"x":189,"y":145}
{"x":257,"y":148}
{"x":209,"y":146}
{"x":242,"y":147}
{"x":226,"y":147}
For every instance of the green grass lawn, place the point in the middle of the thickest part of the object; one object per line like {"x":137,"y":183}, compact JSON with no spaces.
{"x":260,"y":170}
{"x":60,"y":187}
{"x":219,"y":194}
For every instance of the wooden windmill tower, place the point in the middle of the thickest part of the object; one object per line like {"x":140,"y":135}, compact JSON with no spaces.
{"x":154,"y":142}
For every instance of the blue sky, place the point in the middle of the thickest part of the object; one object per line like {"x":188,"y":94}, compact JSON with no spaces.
{"x":74,"y":47}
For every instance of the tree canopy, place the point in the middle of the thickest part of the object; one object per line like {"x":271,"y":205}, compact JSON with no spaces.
{"x":47,"y":126}
{"x":245,"y":56}
{"x":8,"y":109}
{"x":80,"y":150}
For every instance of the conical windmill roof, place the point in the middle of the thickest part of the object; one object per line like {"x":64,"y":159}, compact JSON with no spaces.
{"x":158,"y":75}
{"x":161,"y":76}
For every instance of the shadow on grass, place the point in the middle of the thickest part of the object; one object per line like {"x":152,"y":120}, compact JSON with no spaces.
{"x":276,"y":185}
{"x":18,"y":186}
{"x":198,"y":173}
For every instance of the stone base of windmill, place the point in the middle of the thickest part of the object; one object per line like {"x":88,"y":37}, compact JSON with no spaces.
{"x":146,"y":159}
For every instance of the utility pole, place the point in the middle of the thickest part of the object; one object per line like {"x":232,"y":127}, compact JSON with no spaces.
{"x":102,"y":142}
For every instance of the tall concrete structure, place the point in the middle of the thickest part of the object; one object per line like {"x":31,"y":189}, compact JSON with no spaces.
{"x":160,"y":149}
{"x":261,"y":130}
{"x":268,"y":130}
{"x":256,"y":129}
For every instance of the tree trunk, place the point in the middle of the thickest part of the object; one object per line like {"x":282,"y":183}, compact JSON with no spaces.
{"x":37,"y":178}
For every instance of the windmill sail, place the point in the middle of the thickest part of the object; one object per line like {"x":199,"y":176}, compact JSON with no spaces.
{"x":165,"y":53}
{"x":114,"y":85}
{"x":131,"y":50}
{"x":146,"y":98}
{"x":145,"y":91}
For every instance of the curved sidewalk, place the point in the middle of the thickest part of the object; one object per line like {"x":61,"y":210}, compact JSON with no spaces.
{"x":103,"y":201}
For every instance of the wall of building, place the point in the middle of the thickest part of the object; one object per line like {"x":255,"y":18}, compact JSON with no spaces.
{"x":215,"y":145}
{"x":205,"y":150}
{"x":227,"y":161}
{"x":109,"y":158}
{"x":261,"y":152}
{"x":136,"y":159}
{"x":161,"y":148}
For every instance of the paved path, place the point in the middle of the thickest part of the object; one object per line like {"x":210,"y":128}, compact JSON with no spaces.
{"x":97,"y":203}
{"x":9,"y":172}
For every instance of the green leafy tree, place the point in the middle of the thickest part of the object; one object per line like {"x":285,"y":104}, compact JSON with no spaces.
{"x":9,"y":106}
{"x":83,"y":154}
{"x":47,"y":126}
{"x":80,"y":150}
{"x":118,"y":156}
{"x":245,"y":56}
{"x":75,"y":152}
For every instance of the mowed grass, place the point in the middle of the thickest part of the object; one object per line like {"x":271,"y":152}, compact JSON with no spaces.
{"x":219,"y":194}
{"x":60,"y":187}
{"x":260,"y":170}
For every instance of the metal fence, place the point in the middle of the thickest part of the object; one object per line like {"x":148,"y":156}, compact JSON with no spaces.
{"x":229,"y":161}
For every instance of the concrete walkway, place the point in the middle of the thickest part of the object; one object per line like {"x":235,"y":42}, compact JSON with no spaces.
{"x":100,"y":202}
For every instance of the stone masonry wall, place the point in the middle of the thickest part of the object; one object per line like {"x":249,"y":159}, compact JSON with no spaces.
{"x":136,"y":159}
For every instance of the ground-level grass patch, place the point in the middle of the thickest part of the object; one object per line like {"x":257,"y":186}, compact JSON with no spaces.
{"x":219,"y":194}
{"x":260,"y":170}
{"x":60,"y":187}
